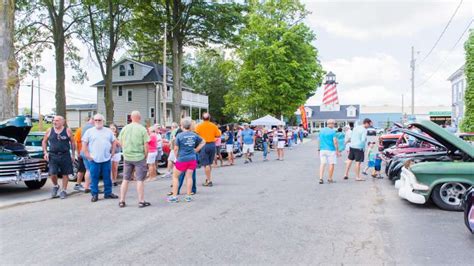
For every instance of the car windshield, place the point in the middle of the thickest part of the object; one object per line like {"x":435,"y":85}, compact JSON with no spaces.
{"x":34,"y":140}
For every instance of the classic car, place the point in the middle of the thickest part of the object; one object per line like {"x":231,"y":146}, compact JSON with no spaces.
{"x":394,"y":167}
{"x":443,"y":182}
{"x":468,"y":205}
{"x":420,"y":143}
{"x":390,"y":139}
{"x":16,"y":162}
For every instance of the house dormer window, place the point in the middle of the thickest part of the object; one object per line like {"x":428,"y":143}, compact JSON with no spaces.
{"x":122,"y":70}
{"x":131,"y":70}
{"x":351,"y":111}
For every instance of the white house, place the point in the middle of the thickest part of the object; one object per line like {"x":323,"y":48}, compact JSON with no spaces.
{"x":458,"y":88}
{"x":78,"y":113}
{"x":135,"y":87}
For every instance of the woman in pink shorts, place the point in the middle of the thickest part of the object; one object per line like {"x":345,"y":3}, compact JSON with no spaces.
{"x":187,"y":145}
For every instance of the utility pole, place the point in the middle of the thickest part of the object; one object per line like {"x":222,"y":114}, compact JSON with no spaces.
{"x":412,"y":66}
{"x":40,"y":117}
{"x":165,"y":85}
{"x":31,"y":102}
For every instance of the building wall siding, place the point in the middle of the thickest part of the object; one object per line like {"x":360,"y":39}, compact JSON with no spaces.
{"x":140,"y":102}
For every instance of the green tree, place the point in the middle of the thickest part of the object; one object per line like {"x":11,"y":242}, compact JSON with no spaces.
{"x":8,"y":64}
{"x":280,"y":69}
{"x":107,"y":22}
{"x":190,"y":24}
{"x":210,"y":73}
{"x":467,"y":124}
{"x":44,"y":24}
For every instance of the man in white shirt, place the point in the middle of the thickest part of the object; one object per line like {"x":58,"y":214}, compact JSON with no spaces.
{"x":98,"y":144}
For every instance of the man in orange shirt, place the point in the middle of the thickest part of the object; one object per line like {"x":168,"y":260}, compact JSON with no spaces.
{"x":208,"y":131}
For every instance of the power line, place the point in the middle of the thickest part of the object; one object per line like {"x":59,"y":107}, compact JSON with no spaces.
{"x":442,"y":33}
{"x":68,"y":96}
{"x":447,"y":56}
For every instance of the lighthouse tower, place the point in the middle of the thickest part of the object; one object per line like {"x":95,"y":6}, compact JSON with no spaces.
{"x":330,"y":102}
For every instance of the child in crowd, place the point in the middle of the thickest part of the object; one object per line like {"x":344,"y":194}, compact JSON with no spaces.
{"x":374,"y":161}
{"x":370,"y":157}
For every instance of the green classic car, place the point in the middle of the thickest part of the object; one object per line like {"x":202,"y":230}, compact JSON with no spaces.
{"x":17,"y":162}
{"x":444,"y":182}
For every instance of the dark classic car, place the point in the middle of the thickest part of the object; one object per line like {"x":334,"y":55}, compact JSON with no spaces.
{"x":444,"y":182}
{"x":17,"y":164}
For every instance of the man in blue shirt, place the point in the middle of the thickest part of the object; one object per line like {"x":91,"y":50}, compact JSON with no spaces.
{"x":248,"y":138}
{"x":357,"y":145}
{"x":98,"y":145}
{"x":328,"y":150}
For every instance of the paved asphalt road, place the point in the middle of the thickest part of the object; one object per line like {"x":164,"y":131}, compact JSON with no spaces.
{"x":262,"y":213}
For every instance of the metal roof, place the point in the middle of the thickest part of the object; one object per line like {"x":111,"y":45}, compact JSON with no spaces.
{"x":88,"y":106}
{"x":337,"y":115}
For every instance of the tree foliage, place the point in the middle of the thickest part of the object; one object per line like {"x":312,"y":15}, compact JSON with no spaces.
{"x":106,"y":27}
{"x":280,"y":69}
{"x":468,"y":120}
{"x":190,"y":24}
{"x":49,"y":24}
{"x":209,"y":72}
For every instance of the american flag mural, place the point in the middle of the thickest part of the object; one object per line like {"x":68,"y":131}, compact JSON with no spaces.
{"x":330,"y":94}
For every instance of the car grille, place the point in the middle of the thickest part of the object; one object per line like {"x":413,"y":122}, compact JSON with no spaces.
{"x":24,"y":165}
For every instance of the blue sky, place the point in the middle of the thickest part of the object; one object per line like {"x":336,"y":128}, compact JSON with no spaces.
{"x":367,"y":44}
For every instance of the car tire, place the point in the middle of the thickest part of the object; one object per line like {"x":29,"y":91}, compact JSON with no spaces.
{"x":448,"y":196}
{"x":34,"y":184}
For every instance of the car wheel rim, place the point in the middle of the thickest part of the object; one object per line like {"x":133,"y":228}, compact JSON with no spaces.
{"x":452,"y":193}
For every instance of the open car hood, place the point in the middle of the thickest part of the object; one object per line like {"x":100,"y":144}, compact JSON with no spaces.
{"x":16,"y":128}
{"x":422,"y":137}
{"x":447,"y":139}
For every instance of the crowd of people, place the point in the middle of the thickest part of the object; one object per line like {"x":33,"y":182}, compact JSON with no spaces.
{"x":98,"y":149}
{"x":333,"y":143}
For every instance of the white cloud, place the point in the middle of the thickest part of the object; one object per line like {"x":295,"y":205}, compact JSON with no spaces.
{"x":363,"y":71}
{"x":368,"y":20}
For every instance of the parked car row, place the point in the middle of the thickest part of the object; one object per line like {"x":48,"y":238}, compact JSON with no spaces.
{"x":435,"y":165}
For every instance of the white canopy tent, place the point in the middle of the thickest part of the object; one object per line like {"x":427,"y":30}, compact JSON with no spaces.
{"x":267,"y":121}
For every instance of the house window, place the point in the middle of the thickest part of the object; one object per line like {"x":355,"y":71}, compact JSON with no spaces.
{"x":120,"y":91}
{"x":103,"y":92}
{"x":131,"y":70}
{"x":129,"y":96}
{"x":122,"y":70}
{"x":351,"y":112}
{"x":152,"y":112}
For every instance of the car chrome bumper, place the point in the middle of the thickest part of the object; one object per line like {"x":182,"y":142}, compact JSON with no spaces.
{"x":407,"y":185}
{"x":28,"y":176}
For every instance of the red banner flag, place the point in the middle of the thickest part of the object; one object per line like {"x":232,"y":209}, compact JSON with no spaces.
{"x":304,"y":119}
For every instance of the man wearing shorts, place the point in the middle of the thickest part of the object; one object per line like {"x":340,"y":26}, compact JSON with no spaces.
{"x":229,"y":144}
{"x":356,"y":148}
{"x":134,"y":140}
{"x":61,"y":144}
{"x":281,"y":140}
{"x":209,"y":132}
{"x":328,"y":150}
{"x":248,"y":138}
{"x":99,"y":146}
{"x":187,"y":145}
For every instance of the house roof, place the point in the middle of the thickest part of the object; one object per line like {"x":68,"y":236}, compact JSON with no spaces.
{"x":154,"y":76}
{"x":88,"y":106}
{"x":457,"y":73}
{"x":337,"y":115}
